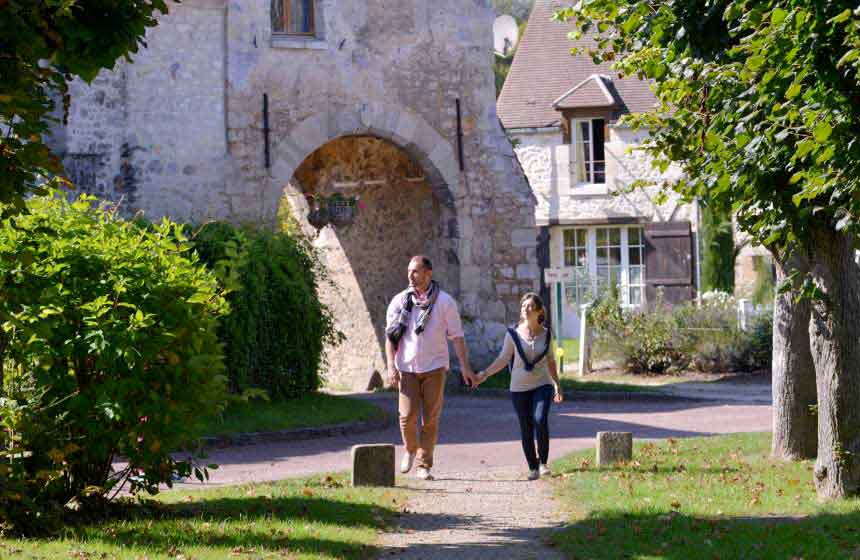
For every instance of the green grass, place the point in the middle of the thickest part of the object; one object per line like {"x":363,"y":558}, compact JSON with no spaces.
{"x":317,"y":518}
{"x":719,"y":497}
{"x":316,"y":409}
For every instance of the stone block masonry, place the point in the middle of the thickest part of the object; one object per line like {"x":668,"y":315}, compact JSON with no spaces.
{"x":179,"y":132}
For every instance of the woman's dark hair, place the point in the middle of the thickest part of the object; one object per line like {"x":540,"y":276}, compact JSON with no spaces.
{"x":538,"y":303}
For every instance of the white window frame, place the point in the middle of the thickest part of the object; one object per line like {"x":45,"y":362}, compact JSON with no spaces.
{"x":624,"y":283}
{"x":590,"y":173}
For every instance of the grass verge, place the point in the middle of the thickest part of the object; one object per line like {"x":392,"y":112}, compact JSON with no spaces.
{"x":313,"y":410}
{"x":719,"y":497}
{"x":318,"y":518}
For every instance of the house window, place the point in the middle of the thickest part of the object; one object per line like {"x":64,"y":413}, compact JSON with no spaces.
{"x":293,"y":17}
{"x":588,"y":158}
{"x":602,"y":257}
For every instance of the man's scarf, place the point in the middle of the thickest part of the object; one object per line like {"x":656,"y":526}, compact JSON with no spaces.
{"x":395,"y":330}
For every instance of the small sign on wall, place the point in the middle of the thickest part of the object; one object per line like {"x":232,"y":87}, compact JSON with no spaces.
{"x":557,"y":275}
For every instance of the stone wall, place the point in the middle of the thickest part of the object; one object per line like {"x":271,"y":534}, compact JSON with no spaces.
{"x":179,"y":131}
{"x":538,"y":155}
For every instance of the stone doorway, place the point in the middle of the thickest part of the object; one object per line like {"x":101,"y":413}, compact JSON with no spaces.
{"x":399,"y":215}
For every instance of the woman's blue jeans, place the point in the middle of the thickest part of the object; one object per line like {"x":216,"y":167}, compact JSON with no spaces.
{"x":533,"y":412}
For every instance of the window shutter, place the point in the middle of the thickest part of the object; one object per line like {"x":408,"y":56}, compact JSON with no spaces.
{"x":669,"y":261}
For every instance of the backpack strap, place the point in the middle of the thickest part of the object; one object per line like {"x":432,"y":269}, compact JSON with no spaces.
{"x":529,"y":366}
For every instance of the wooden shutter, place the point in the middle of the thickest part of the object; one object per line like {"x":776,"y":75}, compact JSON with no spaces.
{"x":669,"y":261}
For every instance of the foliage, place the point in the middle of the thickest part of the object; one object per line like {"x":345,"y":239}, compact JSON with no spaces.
{"x":43,"y":44}
{"x":110,"y":349}
{"x":757,"y":100}
{"x":719,"y":496}
{"x":705,"y":337}
{"x":322,"y":517}
{"x":764,"y":288}
{"x":718,"y":251}
{"x":277,"y":330}
{"x":646,"y":341}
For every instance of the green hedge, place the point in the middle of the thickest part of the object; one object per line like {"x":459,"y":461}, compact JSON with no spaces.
{"x":276,"y":331}
{"x":109,"y":348}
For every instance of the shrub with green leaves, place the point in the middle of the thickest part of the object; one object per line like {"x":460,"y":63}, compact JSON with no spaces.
{"x":278,"y":328}
{"x":110,"y":350}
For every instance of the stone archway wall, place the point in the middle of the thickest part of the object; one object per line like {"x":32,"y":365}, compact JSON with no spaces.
{"x":400,"y":216}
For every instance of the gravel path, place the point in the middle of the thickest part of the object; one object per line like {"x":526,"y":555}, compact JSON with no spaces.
{"x":475,"y":515}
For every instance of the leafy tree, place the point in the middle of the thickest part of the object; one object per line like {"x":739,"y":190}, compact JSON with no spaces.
{"x":519,"y":9}
{"x":760,"y":104}
{"x":718,"y":251}
{"x":43,"y":44}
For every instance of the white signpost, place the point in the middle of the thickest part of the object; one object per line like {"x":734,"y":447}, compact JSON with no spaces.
{"x":557,"y":277}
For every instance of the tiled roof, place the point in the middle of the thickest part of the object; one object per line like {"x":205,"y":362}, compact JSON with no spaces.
{"x":543,"y":70}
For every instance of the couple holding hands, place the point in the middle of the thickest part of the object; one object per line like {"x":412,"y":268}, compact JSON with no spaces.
{"x":419,"y":323}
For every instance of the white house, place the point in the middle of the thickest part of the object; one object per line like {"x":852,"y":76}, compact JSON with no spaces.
{"x":563,"y":112}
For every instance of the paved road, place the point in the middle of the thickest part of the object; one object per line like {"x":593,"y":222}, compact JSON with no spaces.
{"x":482,"y":433}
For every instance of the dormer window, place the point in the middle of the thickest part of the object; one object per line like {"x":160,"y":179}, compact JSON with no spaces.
{"x":587,"y":157}
{"x":293,"y":17}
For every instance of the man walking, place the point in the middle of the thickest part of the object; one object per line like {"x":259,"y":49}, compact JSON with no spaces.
{"x":420,"y":320}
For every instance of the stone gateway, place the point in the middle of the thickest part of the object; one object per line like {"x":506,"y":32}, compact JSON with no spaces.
{"x":239,"y":109}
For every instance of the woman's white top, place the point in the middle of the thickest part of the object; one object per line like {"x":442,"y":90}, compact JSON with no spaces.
{"x":522,"y":380}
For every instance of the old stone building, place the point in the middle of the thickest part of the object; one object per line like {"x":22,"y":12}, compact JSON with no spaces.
{"x":235,"y":103}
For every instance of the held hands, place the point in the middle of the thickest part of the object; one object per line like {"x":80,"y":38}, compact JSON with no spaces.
{"x":469,"y":377}
{"x":393,"y":378}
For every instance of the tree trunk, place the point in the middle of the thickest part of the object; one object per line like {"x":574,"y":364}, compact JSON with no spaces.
{"x":835,"y":342}
{"x":795,"y":426}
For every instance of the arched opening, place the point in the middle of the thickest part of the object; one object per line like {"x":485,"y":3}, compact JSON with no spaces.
{"x":398,"y":215}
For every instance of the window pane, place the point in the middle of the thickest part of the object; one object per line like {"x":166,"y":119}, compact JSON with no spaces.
{"x":581,"y":257}
{"x":568,"y":257}
{"x":634,"y":236}
{"x":614,"y":236}
{"x":569,"y":240}
{"x":602,"y":256}
{"x":300,"y":16}
{"x":602,"y":237}
{"x":278,"y":15}
{"x":598,"y":125}
{"x":599,"y":172}
{"x":615,"y":255}
{"x":582,"y":237}
{"x":584,"y":132}
{"x":635,"y":296}
{"x":635,"y":275}
{"x":635,"y":255}
{"x":580,"y":163}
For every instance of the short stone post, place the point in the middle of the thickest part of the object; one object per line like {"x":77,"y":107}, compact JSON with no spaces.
{"x":373,"y":465}
{"x":614,"y":447}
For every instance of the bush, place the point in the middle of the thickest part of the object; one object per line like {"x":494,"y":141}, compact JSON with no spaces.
{"x":645,"y":341}
{"x":277,"y":330}
{"x":110,"y":349}
{"x":660,"y":340}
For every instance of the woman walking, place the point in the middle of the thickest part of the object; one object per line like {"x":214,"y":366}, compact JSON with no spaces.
{"x":528,"y":352}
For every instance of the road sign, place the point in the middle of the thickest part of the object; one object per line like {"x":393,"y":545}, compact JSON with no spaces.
{"x":557,"y":275}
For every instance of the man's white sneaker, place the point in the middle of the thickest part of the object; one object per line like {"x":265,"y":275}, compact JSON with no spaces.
{"x":423,"y":473}
{"x":534,"y":474}
{"x":406,"y":462}
{"x":544,"y":470}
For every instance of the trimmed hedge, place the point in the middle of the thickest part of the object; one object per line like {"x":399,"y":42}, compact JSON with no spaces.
{"x":277,"y":329}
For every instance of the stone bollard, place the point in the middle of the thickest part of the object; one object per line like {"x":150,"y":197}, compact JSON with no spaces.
{"x":613,"y":447}
{"x":373,"y":465}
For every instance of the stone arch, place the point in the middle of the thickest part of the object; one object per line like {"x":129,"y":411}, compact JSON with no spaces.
{"x":360,"y":258}
{"x":408,"y":131}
